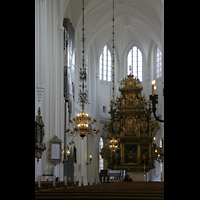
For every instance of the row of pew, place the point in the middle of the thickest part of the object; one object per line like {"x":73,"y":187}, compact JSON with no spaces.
{"x":140,"y":190}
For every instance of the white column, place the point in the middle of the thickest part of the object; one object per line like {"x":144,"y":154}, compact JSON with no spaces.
{"x":40,"y":43}
{"x":37,"y":23}
{"x":61,"y":106}
{"x":84,"y":160}
{"x":91,"y":150}
{"x":37,"y":168}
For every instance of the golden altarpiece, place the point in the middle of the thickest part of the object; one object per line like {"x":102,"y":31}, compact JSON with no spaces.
{"x":132,"y":129}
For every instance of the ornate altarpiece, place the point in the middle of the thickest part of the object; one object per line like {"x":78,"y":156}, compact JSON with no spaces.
{"x":132,"y":125}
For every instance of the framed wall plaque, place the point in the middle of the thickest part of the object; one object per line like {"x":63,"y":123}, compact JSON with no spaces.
{"x":55,"y":149}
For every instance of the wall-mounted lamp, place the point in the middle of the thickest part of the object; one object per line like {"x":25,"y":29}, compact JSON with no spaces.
{"x":159,"y":154}
{"x":66,"y":153}
{"x":90,"y":157}
{"x":154,"y":99}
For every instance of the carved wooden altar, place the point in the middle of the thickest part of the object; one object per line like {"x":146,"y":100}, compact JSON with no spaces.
{"x":132,"y":125}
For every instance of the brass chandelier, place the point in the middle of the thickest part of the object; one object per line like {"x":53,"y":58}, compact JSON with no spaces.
{"x":83,"y":122}
{"x":113,"y":142}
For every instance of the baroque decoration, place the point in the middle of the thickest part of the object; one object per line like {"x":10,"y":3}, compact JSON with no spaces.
{"x":131,"y":125}
{"x":83,"y":123}
{"x":39,"y":136}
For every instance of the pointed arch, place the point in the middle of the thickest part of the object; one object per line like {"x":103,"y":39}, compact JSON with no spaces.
{"x":128,"y":48}
{"x":134,"y":62}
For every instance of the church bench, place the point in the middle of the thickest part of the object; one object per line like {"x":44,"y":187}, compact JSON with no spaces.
{"x":49,"y":185}
{"x":99,"y":197}
{"x":109,"y":186}
{"x":120,"y":190}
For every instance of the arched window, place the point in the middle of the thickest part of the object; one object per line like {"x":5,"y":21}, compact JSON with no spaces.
{"x":158,"y":63}
{"x":105,"y":64}
{"x":134,"y":61}
{"x":100,"y":157}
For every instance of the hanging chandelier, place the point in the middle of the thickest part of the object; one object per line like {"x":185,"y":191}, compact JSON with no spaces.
{"x":113,"y":142}
{"x":83,"y":123}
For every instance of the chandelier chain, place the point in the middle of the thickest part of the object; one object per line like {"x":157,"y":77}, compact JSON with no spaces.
{"x":113,"y":75}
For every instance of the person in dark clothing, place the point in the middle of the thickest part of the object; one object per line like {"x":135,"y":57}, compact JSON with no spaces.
{"x":127,"y":178}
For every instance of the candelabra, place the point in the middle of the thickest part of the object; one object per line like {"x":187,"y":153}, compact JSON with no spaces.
{"x":90,"y":157}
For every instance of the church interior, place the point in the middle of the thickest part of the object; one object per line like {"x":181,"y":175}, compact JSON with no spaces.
{"x":85,"y":49}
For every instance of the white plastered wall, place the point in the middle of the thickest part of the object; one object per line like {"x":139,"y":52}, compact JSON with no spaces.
{"x":144,"y":26}
{"x":49,"y":77}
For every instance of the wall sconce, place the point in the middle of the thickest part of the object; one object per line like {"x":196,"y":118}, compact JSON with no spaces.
{"x":154,"y":99}
{"x":90,"y":157}
{"x":66,"y":153}
{"x":159,"y":154}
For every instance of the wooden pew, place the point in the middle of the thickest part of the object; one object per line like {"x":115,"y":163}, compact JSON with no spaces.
{"x":120,"y":190}
{"x":45,"y":185}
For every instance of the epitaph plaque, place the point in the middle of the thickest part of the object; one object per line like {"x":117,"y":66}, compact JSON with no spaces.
{"x":55,"y":150}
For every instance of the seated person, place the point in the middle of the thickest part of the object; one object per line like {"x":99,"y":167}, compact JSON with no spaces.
{"x":127,"y":178}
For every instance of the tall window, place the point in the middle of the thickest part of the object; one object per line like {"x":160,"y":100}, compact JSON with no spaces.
{"x":100,"y":158}
{"x":158,"y":63}
{"x":134,"y":61}
{"x":105,"y":65}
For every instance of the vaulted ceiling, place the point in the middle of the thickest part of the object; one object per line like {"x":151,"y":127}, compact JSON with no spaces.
{"x":138,"y":20}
